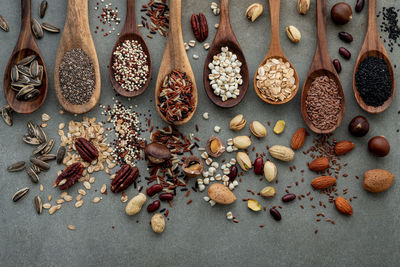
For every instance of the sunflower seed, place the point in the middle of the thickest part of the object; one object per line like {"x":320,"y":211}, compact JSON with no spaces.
{"x":6,"y":114}
{"x":34,"y":69}
{"x":42,"y":9}
{"x":16,"y":167}
{"x":47,"y":157}
{"x":31,"y":140}
{"x":41,"y":135}
{"x":50,"y":27}
{"x":79,"y":203}
{"x":20,"y":194}
{"x":53,"y":209}
{"x":15,"y":89}
{"x":24,"y":92}
{"x":4,"y":24}
{"x":37,"y":29}
{"x":36,"y":169}
{"x":40,"y":163}
{"x":31,"y":128}
{"x":40,"y":74}
{"x":32,"y":95}
{"x":49,"y":147}
{"x":14,"y":74}
{"x":25,"y":73}
{"x":39,"y":148}
{"x":71,"y":227}
{"x":46,"y":205}
{"x":26,"y":60}
{"x":60,"y":154}
{"x":32,"y":174}
{"x":38,"y":204}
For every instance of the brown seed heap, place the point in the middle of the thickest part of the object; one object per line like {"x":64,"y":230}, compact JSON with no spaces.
{"x":130,"y":65}
{"x":77,"y":78}
{"x":158,"y":12}
{"x":176,"y":99}
{"x":323,"y":103}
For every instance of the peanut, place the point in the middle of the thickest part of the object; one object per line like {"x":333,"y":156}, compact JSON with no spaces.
{"x":158,"y":223}
{"x":135,"y":205}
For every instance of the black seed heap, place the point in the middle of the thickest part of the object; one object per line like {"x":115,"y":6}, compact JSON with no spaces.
{"x":373,"y":81}
{"x":390,"y":26}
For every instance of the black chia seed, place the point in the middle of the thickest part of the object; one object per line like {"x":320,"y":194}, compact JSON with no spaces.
{"x":77,"y":77}
{"x":389,"y":26}
{"x":373,"y":81}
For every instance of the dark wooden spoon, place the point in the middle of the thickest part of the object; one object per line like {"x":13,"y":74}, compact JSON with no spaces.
{"x":26,"y":46}
{"x":77,"y":35}
{"x":130,"y":32}
{"x":275,"y":51}
{"x":321,"y":66}
{"x":175,"y":58}
{"x":373,"y":47}
{"x":225,"y":37}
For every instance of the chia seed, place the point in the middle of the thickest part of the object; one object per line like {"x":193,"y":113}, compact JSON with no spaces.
{"x":77,"y":77}
{"x":373,"y":81}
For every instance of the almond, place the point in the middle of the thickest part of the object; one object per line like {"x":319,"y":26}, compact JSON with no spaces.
{"x":343,"y":147}
{"x":221,"y":194}
{"x":323,"y":182}
{"x":319,"y":164}
{"x":298,"y":138}
{"x":378,"y":180}
{"x":343,"y":206}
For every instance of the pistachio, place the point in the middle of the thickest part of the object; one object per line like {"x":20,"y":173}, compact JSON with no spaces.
{"x":253,"y":205}
{"x":268,"y":191}
{"x":254,"y":11}
{"x":303,"y":6}
{"x":157,"y":153}
{"x":258,"y":129}
{"x":244,"y":161}
{"x":215,"y":147}
{"x":270,"y":171}
{"x":237,"y":123}
{"x":242,"y":142}
{"x":279,"y":127}
{"x":293,"y":33}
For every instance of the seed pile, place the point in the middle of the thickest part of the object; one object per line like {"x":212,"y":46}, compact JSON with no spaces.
{"x":77,"y":78}
{"x":323,"y":103}
{"x":275,"y":80}
{"x":390,"y":26}
{"x":158,"y":13}
{"x":373,"y":81}
{"x":176,"y":99}
{"x":130,"y":65}
{"x":108,"y":16}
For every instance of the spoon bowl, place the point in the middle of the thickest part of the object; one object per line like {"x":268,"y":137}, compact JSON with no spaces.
{"x":26,"y":46}
{"x":225,"y":37}
{"x":130,"y":32}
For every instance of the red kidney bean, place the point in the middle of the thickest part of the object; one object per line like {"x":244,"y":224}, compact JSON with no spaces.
{"x":233,"y":173}
{"x":346,"y":37}
{"x":275,"y":214}
{"x":166,"y":197}
{"x":288,"y":197}
{"x":359,"y":5}
{"x":337,"y":65}
{"x":154,"y":189}
{"x":258,"y":166}
{"x":155,"y":205}
{"x":345,"y":53}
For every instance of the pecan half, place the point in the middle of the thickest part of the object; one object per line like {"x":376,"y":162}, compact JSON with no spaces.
{"x":69,"y":176}
{"x":200,"y":27}
{"x":124,"y":178}
{"x":86,"y":149}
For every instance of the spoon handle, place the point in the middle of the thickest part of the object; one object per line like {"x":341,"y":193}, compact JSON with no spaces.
{"x":372,"y":27}
{"x":25,"y":16}
{"x":225,"y":29}
{"x":275,"y":45}
{"x":322,"y":51}
{"x":130,"y":20}
{"x":77,"y":17}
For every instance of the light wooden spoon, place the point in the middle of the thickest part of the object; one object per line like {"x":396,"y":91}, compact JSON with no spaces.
{"x":77,"y":35}
{"x":275,"y":51}
{"x":373,"y":47}
{"x":175,"y":58}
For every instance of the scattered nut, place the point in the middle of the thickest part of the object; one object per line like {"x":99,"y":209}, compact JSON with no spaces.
{"x":293,"y":33}
{"x":244,"y":161}
{"x":157,"y":153}
{"x":270,"y":171}
{"x":242,"y":142}
{"x":279,"y":127}
{"x":215,"y":147}
{"x":258,"y":129}
{"x":254,"y":11}
{"x":268,"y":192}
{"x":158,"y":223}
{"x":253,"y":205}
{"x":193,"y":166}
{"x":379,"y":146}
{"x":303,"y":6}
{"x":341,"y":13}
{"x":282,"y":153}
{"x":135,"y":204}
{"x":237,"y":123}
{"x":221,"y":194}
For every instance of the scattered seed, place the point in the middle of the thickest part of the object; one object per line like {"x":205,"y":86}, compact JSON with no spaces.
{"x":38,"y":204}
{"x":20,"y":194}
{"x":71,"y":227}
{"x":79,"y":203}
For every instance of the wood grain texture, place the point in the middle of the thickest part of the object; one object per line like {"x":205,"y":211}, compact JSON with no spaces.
{"x":275,"y":51}
{"x":130,"y":31}
{"x":374,"y":47}
{"x":175,"y":58}
{"x":77,"y":35}
{"x":225,"y":37}
{"x":320,"y":66}
{"x":26,"y":46}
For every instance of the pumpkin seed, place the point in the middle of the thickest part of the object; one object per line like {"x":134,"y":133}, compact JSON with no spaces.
{"x":42,"y":8}
{"x":32,"y":175}
{"x":20,"y":194}
{"x":37,"y":201}
{"x":4,"y":24}
{"x":37,"y":29}
{"x":26,"y":60}
{"x":50,"y":27}
{"x":16,"y":167}
{"x":40,"y":163}
{"x":60,"y":154}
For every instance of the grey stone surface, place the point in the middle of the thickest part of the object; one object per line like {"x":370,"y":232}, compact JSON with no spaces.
{"x":197,"y":234}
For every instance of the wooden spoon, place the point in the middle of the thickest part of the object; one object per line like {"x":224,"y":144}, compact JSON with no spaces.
{"x":373,"y":47}
{"x":130,"y":32}
{"x":175,"y":58}
{"x":275,"y":51}
{"x":225,"y":37}
{"x":77,"y":35}
{"x":26,"y":46}
{"x":321,"y":66}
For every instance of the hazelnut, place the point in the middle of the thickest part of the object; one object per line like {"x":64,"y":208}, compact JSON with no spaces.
{"x":359,"y":126}
{"x":157,"y":153}
{"x":341,"y":13}
{"x":193,"y":166}
{"x":215,"y":147}
{"x":379,"y":146}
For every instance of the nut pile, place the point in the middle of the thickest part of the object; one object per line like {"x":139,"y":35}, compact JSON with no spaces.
{"x":275,"y":80}
{"x":225,"y":77}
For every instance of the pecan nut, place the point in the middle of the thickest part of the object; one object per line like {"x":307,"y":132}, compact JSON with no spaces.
{"x":124,"y":178}
{"x":200,"y":27}
{"x":69,"y":176}
{"x":86,"y":149}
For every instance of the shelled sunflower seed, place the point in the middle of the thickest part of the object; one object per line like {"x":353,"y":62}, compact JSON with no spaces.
{"x":6,"y":114}
{"x":4,"y":24}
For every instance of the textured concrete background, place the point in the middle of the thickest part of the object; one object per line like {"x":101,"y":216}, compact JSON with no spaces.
{"x":197,"y":234}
